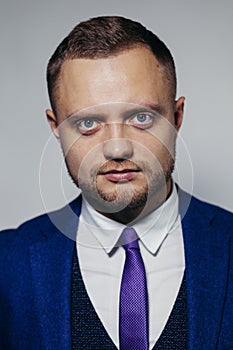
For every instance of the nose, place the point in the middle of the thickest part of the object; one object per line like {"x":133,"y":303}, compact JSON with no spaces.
{"x":117,"y":146}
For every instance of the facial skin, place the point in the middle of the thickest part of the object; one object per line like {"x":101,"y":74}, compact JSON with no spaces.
{"x":117,"y":126}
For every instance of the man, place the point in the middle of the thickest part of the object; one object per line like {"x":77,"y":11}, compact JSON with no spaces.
{"x":133,"y":263}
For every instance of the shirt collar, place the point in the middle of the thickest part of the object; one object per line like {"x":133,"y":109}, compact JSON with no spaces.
{"x":152,"y":230}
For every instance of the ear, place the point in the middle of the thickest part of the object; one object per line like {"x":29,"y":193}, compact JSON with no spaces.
{"x":53,"y":123}
{"x":179,"y":112}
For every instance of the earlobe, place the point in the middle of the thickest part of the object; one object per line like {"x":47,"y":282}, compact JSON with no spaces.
{"x":179,"y":112}
{"x":52,"y":120}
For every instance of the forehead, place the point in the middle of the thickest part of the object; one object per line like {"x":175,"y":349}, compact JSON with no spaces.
{"x":133,"y":76}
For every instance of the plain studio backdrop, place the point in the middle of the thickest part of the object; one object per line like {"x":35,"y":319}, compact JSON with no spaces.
{"x":199,"y":35}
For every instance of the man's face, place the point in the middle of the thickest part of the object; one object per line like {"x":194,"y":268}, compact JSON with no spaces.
{"x":117,"y":126}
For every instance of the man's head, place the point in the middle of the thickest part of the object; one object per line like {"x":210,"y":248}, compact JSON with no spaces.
{"x":103,"y":37}
{"x":112,"y":87}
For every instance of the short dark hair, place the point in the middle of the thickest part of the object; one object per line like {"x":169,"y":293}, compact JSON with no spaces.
{"x":106,"y":36}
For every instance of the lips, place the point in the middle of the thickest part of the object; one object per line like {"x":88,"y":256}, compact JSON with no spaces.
{"x":122,"y":175}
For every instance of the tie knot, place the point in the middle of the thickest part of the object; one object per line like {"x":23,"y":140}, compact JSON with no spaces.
{"x":129,"y":238}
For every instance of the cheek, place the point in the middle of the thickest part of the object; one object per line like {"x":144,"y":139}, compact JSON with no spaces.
{"x":82,"y":157}
{"x":156,"y":151}
{"x":73,"y":151}
{"x":162,"y":142}
{"x":73,"y":160}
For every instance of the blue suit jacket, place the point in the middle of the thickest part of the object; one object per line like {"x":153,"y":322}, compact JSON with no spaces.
{"x":35,"y":279}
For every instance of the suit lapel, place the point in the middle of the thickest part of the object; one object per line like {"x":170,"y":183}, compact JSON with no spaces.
{"x":51,"y":265}
{"x":207,"y":261}
{"x":206,"y":254}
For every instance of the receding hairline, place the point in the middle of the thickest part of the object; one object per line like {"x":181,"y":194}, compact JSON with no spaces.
{"x":107,"y":36}
{"x":99,"y":56}
{"x":162,"y":67}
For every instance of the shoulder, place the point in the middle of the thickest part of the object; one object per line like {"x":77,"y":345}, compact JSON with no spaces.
{"x":202,"y":208}
{"x":41,"y":227}
{"x":202,"y":212}
{"x":27,"y":232}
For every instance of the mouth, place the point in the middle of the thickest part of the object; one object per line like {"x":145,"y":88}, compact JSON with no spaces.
{"x":123,"y":175}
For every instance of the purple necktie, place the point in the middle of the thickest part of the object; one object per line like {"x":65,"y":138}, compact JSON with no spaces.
{"x":133,"y":325}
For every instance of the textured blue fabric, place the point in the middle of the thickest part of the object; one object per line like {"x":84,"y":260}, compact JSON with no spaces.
{"x":133,"y":319}
{"x":35,"y":279}
{"x":87,"y":331}
{"x":174,"y":335}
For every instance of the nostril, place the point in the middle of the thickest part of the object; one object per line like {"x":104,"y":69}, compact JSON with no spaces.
{"x":118,"y":160}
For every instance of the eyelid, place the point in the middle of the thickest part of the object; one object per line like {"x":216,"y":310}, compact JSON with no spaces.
{"x":84,"y":127}
{"x":143,"y":125}
{"x":149,"y":114}
{"x":143,"y":111}
{"x":85,"y":119}
{"x":78,"y":119}
{"x":87,"y":131}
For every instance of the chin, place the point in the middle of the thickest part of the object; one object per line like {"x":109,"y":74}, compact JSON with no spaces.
{"x":117,"y":200}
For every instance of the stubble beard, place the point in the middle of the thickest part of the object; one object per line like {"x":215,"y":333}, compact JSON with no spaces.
{"x":125,"y":198}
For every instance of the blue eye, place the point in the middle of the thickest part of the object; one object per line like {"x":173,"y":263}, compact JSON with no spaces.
{"x":141,"y":120}
{"x":88,"y":126}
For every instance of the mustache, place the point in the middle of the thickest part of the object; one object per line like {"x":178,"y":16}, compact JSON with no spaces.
{"x":118,"y":166}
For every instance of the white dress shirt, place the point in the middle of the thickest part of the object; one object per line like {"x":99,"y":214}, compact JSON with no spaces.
{"x":101,"y":262}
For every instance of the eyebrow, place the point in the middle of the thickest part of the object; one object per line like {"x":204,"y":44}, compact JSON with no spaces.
{"x":154,"y":107}
{"x":136,"y":108}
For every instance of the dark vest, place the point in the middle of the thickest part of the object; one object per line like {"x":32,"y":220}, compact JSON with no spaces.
{"x":88,"y":333}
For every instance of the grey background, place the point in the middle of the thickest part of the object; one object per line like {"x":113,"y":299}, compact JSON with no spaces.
{"x":199,"y":34}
